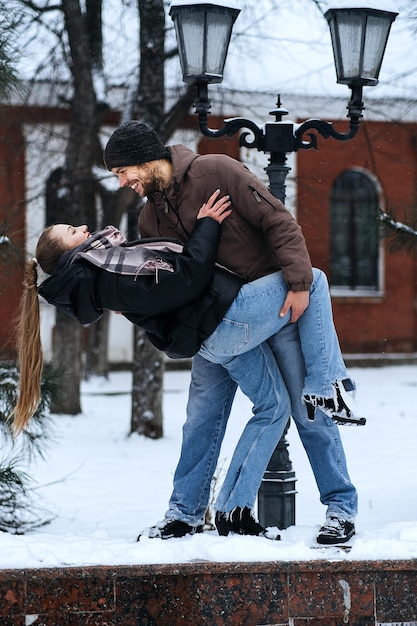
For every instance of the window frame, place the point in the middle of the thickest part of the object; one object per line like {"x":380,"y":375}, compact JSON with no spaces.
{"x":345,"y":290}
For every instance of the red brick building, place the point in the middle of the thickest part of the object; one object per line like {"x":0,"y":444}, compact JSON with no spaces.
{"x":339,"y":190}
{"x":12,"y":225}
{"x":381,"y":315}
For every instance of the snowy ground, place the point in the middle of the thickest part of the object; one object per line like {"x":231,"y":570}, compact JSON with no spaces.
{"x":103,"y":487}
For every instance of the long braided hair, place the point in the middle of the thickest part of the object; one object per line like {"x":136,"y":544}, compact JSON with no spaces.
{"x":29,"y":346}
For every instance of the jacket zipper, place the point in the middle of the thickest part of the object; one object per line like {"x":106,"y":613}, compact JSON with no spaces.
{"x":259,"y":197}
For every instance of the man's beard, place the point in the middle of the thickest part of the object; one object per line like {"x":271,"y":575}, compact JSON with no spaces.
{"x":152,"y":184}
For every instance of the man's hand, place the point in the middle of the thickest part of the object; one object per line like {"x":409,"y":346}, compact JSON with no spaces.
{"x":297,"y":301}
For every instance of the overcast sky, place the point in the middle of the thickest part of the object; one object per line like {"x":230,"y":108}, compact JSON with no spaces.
{"x":290,"y":52}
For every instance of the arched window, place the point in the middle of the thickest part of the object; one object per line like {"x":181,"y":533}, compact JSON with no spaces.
{"x":354,"y":233}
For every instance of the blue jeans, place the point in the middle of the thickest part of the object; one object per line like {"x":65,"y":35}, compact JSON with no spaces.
{"x":253,"y":318}
{"x":212,"y":389}
{"x":210,"y":400}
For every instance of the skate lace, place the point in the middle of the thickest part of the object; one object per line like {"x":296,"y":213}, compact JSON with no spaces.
{"x":315,"y":401}
{"x":342,"y":407}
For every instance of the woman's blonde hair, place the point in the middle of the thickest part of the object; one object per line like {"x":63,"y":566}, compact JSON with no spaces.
{"x":29,"y":346}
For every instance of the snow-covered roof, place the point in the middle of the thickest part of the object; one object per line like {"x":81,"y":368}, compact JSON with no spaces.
{"x":231,"y":103}
{"x":380,"y":5}
{"x":229,"y":4}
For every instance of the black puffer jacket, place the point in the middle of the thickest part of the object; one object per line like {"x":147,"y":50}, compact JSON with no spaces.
{"x":178,"y":312}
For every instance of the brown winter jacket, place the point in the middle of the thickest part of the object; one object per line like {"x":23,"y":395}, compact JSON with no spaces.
{"x":258,"y":238}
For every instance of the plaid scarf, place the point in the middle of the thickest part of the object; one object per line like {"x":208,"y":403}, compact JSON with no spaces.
{"x":105,"y":250}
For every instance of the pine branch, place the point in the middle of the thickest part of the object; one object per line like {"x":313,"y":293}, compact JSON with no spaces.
{"x":403,"y":237}
{"x":33,"y":439}
{"x":18,"y":512}
{"x":397,"y":226}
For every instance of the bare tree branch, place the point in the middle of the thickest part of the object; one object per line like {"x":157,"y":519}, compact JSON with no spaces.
{"x":38,"y":9}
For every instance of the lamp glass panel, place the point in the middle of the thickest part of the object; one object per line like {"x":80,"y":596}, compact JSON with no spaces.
{"x":348,"y":46}
{"x":219,"y":27}
{"x":190,"y":36}
{"x":377,"y":31}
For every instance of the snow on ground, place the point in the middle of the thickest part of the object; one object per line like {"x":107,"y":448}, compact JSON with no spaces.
{"x":103,"y":487}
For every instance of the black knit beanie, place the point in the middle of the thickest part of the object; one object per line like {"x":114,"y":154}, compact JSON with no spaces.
{"x":133,"y":143}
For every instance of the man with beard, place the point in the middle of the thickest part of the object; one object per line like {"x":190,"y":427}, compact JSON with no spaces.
{"x":259,"y":238}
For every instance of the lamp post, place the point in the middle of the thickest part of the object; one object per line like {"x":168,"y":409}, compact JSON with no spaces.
{"x":359,"y":33}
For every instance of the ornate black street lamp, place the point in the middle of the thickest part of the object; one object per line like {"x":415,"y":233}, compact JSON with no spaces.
{"x":359,"y":32}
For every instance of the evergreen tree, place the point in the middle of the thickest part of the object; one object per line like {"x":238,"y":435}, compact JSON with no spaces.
{"x":18,"y":509}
